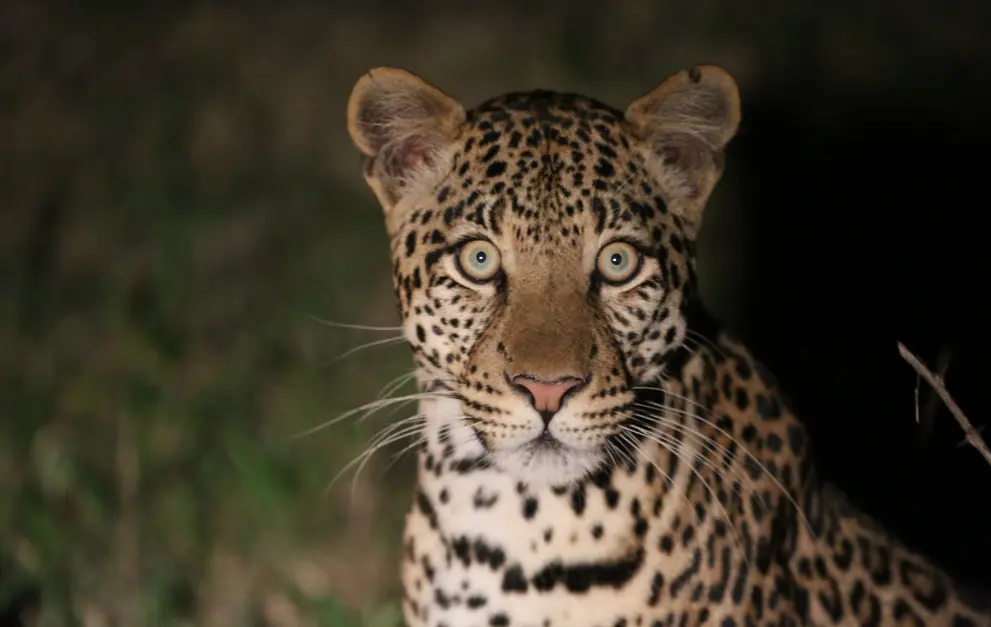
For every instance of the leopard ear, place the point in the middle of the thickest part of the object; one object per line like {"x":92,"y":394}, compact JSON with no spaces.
{"x":684,"y":125}
{"x":402,"y":126}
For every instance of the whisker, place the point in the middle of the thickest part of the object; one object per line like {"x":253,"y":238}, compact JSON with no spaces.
{"x":710,"y":446}
{"x":702,"y":339}
{"x":400,"y":431}
{"x":673,"y":447}
{"x":396,"y":383}
{"x":395,"y":435}
{"x":389,"y":340}
{"x":374,"y":406}
{"x":628,"y":439}
{"x":611,"y":454}
{"x":368,"y":414}
{"x":344,"y":325}
{"x":787,"y":494}
{"x":469,"y":437}
{"x":403,"y":451}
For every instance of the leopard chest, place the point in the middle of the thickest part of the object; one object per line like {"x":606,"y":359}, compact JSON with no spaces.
{"x":481,"y":548}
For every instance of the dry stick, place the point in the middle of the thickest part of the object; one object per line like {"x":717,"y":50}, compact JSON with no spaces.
{"x":972,"y":434}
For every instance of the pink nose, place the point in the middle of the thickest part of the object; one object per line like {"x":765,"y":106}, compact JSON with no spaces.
{"x":547,"y":395}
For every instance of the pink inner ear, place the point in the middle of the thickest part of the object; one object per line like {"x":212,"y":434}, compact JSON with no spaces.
{"x":415,"y":155}
{"x":401,"y":160}
{"x":684,"y":151}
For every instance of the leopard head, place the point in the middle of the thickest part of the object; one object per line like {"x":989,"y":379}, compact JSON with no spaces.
{"x":543,"y":251}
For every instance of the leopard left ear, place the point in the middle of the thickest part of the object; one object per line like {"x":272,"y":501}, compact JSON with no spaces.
{"x":403,"y":126}
{"x":684,"y":126}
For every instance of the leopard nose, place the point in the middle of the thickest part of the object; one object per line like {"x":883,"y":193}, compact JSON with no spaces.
{"x":547,"y":396}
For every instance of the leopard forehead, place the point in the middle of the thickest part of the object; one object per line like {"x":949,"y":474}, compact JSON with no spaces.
{"x":540,"y":169}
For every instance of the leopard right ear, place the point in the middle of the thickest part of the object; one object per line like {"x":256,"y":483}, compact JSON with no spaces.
{"x":685,"y":125}
{"x":403,"y":126}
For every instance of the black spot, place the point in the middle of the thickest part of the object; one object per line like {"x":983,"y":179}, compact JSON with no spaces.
{"x":774,"y":442}
{"x":489,"y":138}
{"x":742,"y":400}
{"x":432,"y":258}
{"x":514,"y":580}
{"x":768,"y":407}
{"x":469,"y":465}
{"x":499,"y":620}
{"x":582,"y":577}
{"x":687,"y":535}
{"x":423,"y":503}
{"x":483,"y":501}
{"x":832,"y":603}
{"x":925,"y":586}
{"x":741,"y":582}
{"x":492,"y":152}
{"x":656,"y":587}
{"x":578,"y":499}
{"x":749,"y":433}
{"x":495,"y":168}
{"x":604,"y":169}
{"x":666,"y":544}
{"x":843,"y":557}
{"x":718,"y":588}
{"x":462,"y":550}
{"x":410,"y":243}
{"x":442,"y":599}
{"x":757,"y":599}
{"x":485,"y":554}
{"x":476,"y":601}
{"x":612,"y":498}
{"x":686,"y":575}
{"x":529,"y":508}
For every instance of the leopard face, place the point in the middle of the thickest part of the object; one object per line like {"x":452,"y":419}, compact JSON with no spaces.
{"x":542,"y":249}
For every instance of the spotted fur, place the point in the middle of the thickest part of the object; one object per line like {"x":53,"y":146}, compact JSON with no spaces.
{"x":673,"y":486}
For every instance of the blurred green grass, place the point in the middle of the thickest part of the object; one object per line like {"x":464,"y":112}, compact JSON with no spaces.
{"x":153,"y":380}
{"x":160,"y":355}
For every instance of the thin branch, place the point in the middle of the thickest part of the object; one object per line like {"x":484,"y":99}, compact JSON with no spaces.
{"x":973,"y":435}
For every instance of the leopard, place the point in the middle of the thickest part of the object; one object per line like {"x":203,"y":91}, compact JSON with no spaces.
{"x":595,"y":448}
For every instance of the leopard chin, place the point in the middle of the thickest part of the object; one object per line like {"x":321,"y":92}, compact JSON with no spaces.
{"x":545,"y":462}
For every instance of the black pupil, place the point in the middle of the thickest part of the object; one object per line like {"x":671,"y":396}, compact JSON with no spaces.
{"x":616,"y":259}
{"x":480,"y":257}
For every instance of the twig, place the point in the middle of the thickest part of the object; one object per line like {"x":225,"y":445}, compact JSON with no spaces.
{"x":973,"y":435}
{"x":942,"y":365}
{"x":925,"y":416}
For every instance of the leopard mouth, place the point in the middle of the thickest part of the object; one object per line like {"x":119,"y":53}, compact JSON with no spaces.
{"x":546,"y":440}
{"x":544,"y":444}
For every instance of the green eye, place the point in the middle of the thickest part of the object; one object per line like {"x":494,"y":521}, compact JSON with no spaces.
{"x":479,"y":260}
{"x":618,"y":262}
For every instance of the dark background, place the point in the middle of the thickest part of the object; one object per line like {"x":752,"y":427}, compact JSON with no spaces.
{"x":178,"y":196}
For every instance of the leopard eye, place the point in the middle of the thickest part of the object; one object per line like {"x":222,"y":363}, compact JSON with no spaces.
{"x":479,"y":260}
{"x":618,"y":262}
